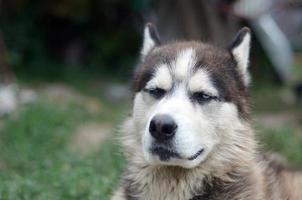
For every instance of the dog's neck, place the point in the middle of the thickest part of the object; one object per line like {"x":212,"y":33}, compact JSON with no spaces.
{"x":164,"y":182}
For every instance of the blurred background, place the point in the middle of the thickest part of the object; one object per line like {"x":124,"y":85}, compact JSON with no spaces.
{"x":65,"y":67}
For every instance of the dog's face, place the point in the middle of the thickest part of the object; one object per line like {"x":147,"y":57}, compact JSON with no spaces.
{"x":188,"y":98}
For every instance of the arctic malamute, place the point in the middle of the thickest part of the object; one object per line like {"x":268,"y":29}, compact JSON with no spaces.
{"x":188,"y":137}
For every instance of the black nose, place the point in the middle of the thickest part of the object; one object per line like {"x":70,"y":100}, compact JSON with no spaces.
{"x":162,"y":127}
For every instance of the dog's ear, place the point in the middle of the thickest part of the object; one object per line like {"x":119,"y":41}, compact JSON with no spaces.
{"x":151,"y":39}
{"x":240,"y":49}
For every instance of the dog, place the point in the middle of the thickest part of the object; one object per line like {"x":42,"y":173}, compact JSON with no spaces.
{"x":189,"y":135}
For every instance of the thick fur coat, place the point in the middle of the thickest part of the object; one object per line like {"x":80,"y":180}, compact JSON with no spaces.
{"x":213,"y":154}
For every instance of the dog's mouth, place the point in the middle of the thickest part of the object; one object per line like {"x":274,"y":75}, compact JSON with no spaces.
{"x":165,"y":154}
{"x":196,"y":155}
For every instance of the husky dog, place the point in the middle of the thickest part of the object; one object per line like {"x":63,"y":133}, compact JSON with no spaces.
{"x":188,"y":137}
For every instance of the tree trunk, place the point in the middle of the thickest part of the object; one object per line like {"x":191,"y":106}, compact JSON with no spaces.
{"x":6,"y":75}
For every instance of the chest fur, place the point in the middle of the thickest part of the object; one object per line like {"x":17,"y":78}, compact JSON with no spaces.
{"x":189,"y":188}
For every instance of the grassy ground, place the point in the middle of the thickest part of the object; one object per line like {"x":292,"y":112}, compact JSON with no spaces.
{"x":278,"y":121}
{"x":36,"y":161}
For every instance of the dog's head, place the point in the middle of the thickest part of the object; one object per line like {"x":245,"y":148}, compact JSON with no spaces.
{"x":189,"y":98}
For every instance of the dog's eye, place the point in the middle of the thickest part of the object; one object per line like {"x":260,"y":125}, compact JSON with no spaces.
{"x":202,"y":97}
{"x":156,"y":92}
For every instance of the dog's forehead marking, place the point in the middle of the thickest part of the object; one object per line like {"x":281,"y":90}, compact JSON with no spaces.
{"x":161,"y":78}
{"x":201,"y":81}
{"x":184,"y":62}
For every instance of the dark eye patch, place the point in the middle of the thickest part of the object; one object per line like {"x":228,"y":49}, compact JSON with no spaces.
{"x":202,"y":97}
{"x":157,"y":93}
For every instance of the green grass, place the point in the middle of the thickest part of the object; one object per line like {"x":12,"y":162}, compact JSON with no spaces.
{"x":284,"y":141}
{"x":35,"y":162}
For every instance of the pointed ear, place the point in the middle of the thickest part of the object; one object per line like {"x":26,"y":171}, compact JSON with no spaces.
{"x":151,"y":39}
{"x":240,"y":49}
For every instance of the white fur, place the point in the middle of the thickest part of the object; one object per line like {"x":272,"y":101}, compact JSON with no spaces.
{"x":185,"y":61}
{"x":201,"y":81}
{"x":161,"y":79}
{"x":148,"y":42}
{"x":188,"y":139}
{"x":241,"y":54}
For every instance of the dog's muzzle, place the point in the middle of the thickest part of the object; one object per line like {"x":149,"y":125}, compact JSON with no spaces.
{"x":163,"y":128}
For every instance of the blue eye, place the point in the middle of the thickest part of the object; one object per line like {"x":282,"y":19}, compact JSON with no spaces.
{"x":156,"y":92}
{"x":202,"y":97}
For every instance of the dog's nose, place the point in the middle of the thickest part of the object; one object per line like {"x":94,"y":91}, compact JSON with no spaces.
{"x":162,"y":127}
